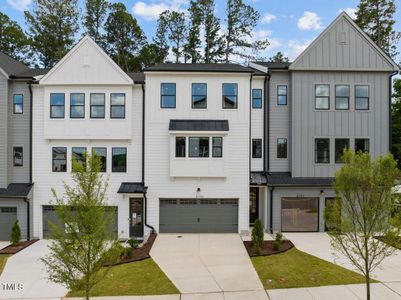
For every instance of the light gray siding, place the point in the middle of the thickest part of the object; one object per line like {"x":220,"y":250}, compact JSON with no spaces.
{"x":3,"y":130}
{"x":21,"y":212}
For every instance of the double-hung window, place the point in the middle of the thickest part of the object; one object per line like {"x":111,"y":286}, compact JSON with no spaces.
{"x":282,"y":92}
{"x":361,"y":97}
{"x":256,"y":148}
{"x":217,"y":146}
{"x":322,"y":151}
{"x":59,"y":157}
{"x":119,"y":159}
{"x":77,"y":106}
{"x":18,"y":156}
{"x":281,"y":148}
{"x":230,"y":95}
{"x":101,"y":153}
{"x":362,"y":145}
{"x":342,"y":97}
{"x":257,"y":98}
{"x":97,"y":102}
{"x":199,"y":147}
{"x":322,"y":97}
{"x":117,"y":106}
{"x":340,"y":146}
{"x":168,"y":95}
{"x":18,"y":104}
{"x":57,"y":105}
{"x":180,"y":146}
{"x":79,"y":156}
{"x":199,"y":95}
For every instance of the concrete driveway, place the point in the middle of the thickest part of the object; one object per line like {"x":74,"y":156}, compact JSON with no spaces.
{"x":25,"y":268}
{"x":206,"y":263}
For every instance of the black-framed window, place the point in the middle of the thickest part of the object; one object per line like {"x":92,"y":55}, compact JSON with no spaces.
{"x":198,"y":146}
{"x":57,"y":105}
{"x":322,"y":96}
{"x":217,"y":146}
{"x":59,"y":158}
{"x":256,"y":148}
{"x":117,"y":106}
{"x":342,"y":97}
{"x":119,"y":160}
{"x":282,"y":92}
{"x":230,"y":95}
{"x":168,"y":95}
{"x":340,"y":146}
{"x":18,"y":104}
{"x":77,"y":106}
{"x":78,"y":153}
{"x":18,"y":156}
{"x":281,"y":148}
{"x":362,"y":145}
{"x":361,"y":97}
{"x":257,"y":98}
{"x":180,"y":142}
{"x":199,"y":95}
{"x":101,"y":152}
{"x":97,"y":105}
{"x":322,"y":151}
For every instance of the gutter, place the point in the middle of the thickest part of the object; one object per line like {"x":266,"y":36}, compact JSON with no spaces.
{"x":390,"y":93}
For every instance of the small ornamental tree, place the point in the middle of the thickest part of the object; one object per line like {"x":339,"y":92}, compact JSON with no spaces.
{"x":82,"y":248}
{"x":15,"y":237}
{"x":363,"y":211}
{"x":257,"y":236}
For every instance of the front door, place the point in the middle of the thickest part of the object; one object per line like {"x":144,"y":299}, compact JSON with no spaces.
{"x":253,"y":205}
{"x":136,"y":217}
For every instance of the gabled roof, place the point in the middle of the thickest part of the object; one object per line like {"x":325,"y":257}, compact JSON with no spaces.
{"x":222,"y":68}
{"x":10,"y":65}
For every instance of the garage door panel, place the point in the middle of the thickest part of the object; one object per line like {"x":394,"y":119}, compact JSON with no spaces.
{"x":8,"y":216}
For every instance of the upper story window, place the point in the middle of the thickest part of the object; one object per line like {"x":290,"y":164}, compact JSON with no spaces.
{"x":340,"y":146}
{"x":117,"y":106}
{"x":168,"y":95}
{"x":342,"y":97}
{"x":57,"y":105}
{"x":18,"y":104}
{"x":230,"y":95}
{"x":362,"y":145}
{"x":78,"y":154}
{"x":257,"y":98}
{"x":199,"y":147}
{"x":322,"y":97}
{"x":217,"y":146}
{"x":101,"y":153}
{"x":362,"y":97}
{"x":119,"y":160}
{"x":282,"y":92}
{"x":18,"y":156}
{"x":256,"y":148}
{"x":77,"y":106}
{"x":281,"y":148}
{"x":199,"y":95}
{"x":97,"y":106}
{"x":180,"y":146}
{"x":322,"y":151}
{"x":59,"y":157}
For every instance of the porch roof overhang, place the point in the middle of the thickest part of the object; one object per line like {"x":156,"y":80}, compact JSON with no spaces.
{"x":286,"y":179}
{"x":16,"y":190}
{"x":132,"y":188}
{"x":199,"y":125}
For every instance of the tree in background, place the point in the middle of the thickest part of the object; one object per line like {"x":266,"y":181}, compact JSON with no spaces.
{"x":193,"y":43}
{"x":13,"y":41}
{"x":94,"y":19}
{"x":279,"y":57}
{"x":396,"y":122}
{"x":160,"y":39}
{"x":376,"y":18}
{"x":52,"y":27}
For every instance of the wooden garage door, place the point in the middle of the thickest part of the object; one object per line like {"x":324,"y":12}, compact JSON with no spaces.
{"x":199,"y":215}
{"x":8,"y":216}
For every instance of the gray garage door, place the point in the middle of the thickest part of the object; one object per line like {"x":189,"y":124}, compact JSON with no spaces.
{"x":50,"y":215}
{"x":198,"y":215}
{"x":8,"y":216}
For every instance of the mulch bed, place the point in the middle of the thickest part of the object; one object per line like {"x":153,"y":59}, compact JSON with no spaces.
{"x":267,"y":248}
{"x":12,"y":249}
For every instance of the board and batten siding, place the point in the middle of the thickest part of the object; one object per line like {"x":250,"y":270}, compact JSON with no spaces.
{"x":3,"y":130}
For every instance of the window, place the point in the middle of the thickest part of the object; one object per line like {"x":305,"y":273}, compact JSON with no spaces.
{"x":230,"y":95}
{"x":340,"y":146}
{"x":168,"y":91}
{"x":57,"y":105}
{"x":59,"y":159}
{"x":217,"y":147}
{"x":322,"y":96}
{"x":322,"y":151}
{"x":198,"y":147}
{"x":362,"y":145}
{"x":119,"y":160}
{"x":18,"y":104}
{"x":101,"y":152}
{"x":77,"y":106}
{"x":281,"y":95}
{"x":281,"y":148}
{"x":342,"y":97}
{"x":18,"y":156}
{"x":97,"y":106}
{"x":117,"y":106}
{"x":180,"y":146}
{"x":199,"y":95}
{"x":362,"y":97}
{"x":257,"y":98}
{"x":78,"y":154}
{"x":257,"y":148}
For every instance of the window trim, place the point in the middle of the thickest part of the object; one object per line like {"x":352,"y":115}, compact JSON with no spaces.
{"x":355,"y":97}
{"x":192,"y":95}
{"x":185,"y":146}
{"x":90,"y":105}
{"x":111,"y":106}
{"x":222,"y":96}
{"x":93,"y":152}
{"x":213,"y":147}
{"x":335,"y":149}
{"x":126,"y":159}
{"x":71,"y":106}
{"x":342,"y":97}
{"x":286,"y":94}
{"x":189,"y":145}
{"x":22,"y":157}
{"x":261,"y":99}
{"x":54,"y":159}
{"x":328,"y":97}
{"x":286,"y":148}
{"x":161,"y":95}
{"x":22,"y":104}
{"x":51,"y":117}
{"x":315,"y":148}
{"x":261,"y":145}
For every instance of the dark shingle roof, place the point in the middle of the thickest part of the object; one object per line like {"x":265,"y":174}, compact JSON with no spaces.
{"x":274,"y":65}
{"x":16,"y":190}
{"x":223,"y":68}
{"x":258,"y":178}
{"x":286,"y":179}
{"x":10,"y":65}
{"x":198,"y":125}
{"x":137,"y":77}
{"x":31,"y":73}
{"x":132,"y":188}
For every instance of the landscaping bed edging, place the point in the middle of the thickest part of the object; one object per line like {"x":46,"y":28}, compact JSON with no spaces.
{"x":267,"y":248}
{"x":13,"y":249}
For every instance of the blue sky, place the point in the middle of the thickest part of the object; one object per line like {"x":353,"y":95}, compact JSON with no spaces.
{"x":290,"y":25}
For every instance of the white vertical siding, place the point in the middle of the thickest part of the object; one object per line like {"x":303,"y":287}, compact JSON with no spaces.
{"x":3,"y":130}
{"x":257,"y":121}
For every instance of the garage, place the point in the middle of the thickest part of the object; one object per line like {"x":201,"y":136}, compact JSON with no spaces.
{"x":50,"y":215}
{"x":8,"y":216}
{"x":198,"y":215}
{"x":299,"y":214}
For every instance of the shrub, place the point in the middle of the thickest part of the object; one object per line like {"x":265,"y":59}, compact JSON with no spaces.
{"x":134,"y":243}
{"x":257,"y":236}
{"x":277,"y":241}
{"x":15,"y":237}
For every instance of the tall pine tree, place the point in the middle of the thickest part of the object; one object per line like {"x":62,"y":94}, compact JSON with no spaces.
{"x":52,"y":25}
{"x":177,"y":31}
{"x":160,"y":39}
{"x":279,"y":57}
{"x":13,"y":41}
{"x":94,"y":19}
{"x":193,"y":40}
{"x":214,"y":41}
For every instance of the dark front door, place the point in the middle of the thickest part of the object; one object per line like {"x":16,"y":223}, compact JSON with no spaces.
{"x":253,"y":205}
{"x":136,"y":217}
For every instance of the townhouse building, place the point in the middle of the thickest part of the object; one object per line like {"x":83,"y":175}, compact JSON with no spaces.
{"x":201,"y":148}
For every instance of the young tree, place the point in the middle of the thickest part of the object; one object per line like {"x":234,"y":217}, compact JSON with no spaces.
{"x":15,"y":237}
{"x":13,"y":41}
{"x":376,"y":18}
{"x":52,"y":25}
{"x":363,"y":210}
{"x":279,"y":57}
{"x":396,"y":122}
{"x":95,"y":16}
{"x":80,"y":250}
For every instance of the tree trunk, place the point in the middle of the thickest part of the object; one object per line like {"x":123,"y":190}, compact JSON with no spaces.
{"x":367,"y":277}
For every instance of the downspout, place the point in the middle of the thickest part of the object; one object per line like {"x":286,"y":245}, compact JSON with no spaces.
{"x":250,"y":127}
{"x":266,"y":123}
{"x":27,"y":201}
{"x":390,"y":92}
{"x":271,"y":209}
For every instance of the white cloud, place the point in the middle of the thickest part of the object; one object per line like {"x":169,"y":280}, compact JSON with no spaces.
{"x":151,"y":11}
{"x":295,"y":48}
{"x":310,"y":21}
{"x":19,"y":4}
{"x":350,"y":11}
{"x":268,"y":18}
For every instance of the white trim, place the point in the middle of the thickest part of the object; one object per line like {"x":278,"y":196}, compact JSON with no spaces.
{"x":4,"y":73}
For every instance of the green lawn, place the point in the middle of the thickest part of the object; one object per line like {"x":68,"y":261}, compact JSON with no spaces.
{"x":295,"y":268}
{"x":136,"y":278}
{"x":3,"y":260}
